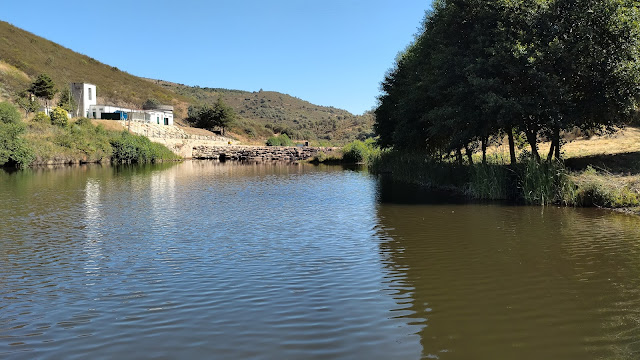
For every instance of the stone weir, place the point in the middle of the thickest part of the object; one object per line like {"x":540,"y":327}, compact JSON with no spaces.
{"x":257,"y":153}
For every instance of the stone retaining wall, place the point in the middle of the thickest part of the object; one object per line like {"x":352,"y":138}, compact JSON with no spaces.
{"x":217,"y":147}
{"x":257,"y":153}
{"x":156,"y":131}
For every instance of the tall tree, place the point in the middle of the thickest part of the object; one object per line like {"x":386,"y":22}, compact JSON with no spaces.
{"x":43,"y":87}
{"x":219,"y":115}
{"x":489,"y":67}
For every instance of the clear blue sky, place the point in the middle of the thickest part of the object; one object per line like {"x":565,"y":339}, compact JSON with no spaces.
{"x":328,"y":52}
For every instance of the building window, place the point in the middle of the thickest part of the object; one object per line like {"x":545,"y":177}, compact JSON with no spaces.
{"x":94,"y":115}
{"x":158,"y":119}
{"x":89,"y":93}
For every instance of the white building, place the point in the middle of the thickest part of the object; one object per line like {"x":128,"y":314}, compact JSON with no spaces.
{"x":84,"y":95}
{"x":155,"y":116}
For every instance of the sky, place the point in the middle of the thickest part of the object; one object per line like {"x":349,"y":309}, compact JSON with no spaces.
{"x":327,"y":52}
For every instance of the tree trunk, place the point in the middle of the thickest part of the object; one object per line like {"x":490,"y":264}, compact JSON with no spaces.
{"x":551,"y":149}
{"x":556,"y":136}
{"x":459,"y":156}
{"x":512,"y":146}
{"x":469,"y":154}
{"x":532,"y":138}
{"x":484,"y":150}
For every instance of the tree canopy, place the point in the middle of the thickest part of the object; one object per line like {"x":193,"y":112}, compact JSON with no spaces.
{"x":43,"y":87}
{"x":482,"y":68}
{"x":208,"y":117}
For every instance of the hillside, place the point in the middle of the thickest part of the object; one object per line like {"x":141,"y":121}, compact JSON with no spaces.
{"x":281,"y":113}
{"x":25,"y":55}
{"x":262,"y":114}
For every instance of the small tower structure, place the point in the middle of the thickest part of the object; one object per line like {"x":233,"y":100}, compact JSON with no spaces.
{"x":84,"y":95}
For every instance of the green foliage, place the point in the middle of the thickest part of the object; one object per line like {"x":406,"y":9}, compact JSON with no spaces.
{"x":14,"y":150}
{"x":9,"y":114}
{"x":41,"y":117}
{"x":489,"y":182}
{"x":82,"y":136}
{"x":280,"y":140}
{"x":26,"y":102}
{"x":59,"y":117}
{"x":128,"y":148}
{"x":602,"y":190}
{"x":209,"y":117}
{"x":544,"y":183}
{"x":66,"y":101}
{"x":359,"y":152}
{"x":577,"y":64}
{"x":43,"y":87}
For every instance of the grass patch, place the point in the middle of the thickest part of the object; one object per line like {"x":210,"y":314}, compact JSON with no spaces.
{"x":603,"y":189}
{"x":82,"y":141}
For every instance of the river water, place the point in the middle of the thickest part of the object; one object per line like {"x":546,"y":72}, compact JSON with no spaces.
{"x":218,"y":260}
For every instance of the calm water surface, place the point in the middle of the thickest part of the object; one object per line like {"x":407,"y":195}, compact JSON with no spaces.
{"x":228,"y":261}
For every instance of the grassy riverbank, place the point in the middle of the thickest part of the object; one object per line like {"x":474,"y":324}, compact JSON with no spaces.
{"x":529,"y":182}
{"x":37,"y":141}
{"x":83,"y":142}
{"x":355,"y":152}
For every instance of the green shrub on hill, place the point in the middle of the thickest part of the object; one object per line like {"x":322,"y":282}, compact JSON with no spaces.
{"x":59,"y":117}
{"x":14,"y":149}
{"x":41,"y":118}
{"x":128,"y":148}
{"x":9,"y":114}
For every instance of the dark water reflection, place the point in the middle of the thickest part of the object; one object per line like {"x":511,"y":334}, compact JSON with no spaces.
{"x":209,"y":260}
{"x":508,"y":282}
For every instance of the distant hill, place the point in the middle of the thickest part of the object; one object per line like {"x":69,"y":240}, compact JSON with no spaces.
{"x":282,"y":113}
{"x":24,"y":56}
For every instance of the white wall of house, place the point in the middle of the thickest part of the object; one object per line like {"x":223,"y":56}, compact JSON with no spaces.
{"x":157,"y":117}
{"x":84,"y":95}
{"x":95,"y":111}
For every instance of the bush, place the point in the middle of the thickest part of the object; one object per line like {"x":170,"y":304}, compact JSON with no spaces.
{"x":280,"y":140}
{"x":14,"y":149}
{"x":41,"y":118}
{"x":360,"y":152}
{"x":9,"y":114}
{"x":128,"y":148}
{"x":59,"y":117}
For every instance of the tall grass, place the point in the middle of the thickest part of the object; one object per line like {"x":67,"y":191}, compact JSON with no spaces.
{"x":530,"y":182}
{"x":489,"y":182}
{"x":545,"y":183}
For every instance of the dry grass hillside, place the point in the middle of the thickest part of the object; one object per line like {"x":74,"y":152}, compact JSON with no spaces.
{"x":25,"y":55}
{"x":277,"y":112}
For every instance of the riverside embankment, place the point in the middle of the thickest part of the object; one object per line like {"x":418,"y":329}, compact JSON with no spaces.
{"x":215,"y":147}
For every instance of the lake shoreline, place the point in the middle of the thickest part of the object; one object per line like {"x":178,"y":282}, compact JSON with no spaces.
{"x":547,"y":184}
